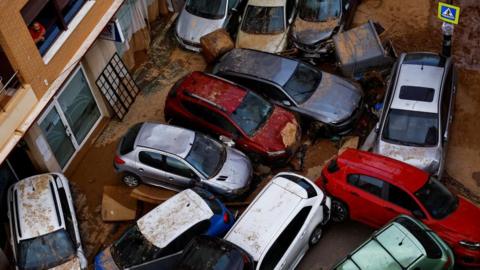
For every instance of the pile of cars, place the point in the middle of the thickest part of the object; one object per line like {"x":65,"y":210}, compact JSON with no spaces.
{"x":259,"y":105}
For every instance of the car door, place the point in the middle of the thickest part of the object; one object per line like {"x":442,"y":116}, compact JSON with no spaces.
{"x":400,"y":202}
{"x":288,"y":245}
{"x":179,"y":173}
{"x":364,"y":196}
{"x":150,"y":167}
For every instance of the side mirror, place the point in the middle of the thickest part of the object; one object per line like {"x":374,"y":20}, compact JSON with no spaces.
{"x":347,"y":5}
{"x":445,"y":136}
{"x":290,"y":20}
{"x":234,"y":10}
{"x":227,"y":141}
{"x":377,"y":127}
{"x":287,"y":103}
{"x":418,"y":214}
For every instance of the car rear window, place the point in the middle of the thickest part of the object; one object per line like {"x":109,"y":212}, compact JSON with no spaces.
{"x":210,"y":199}
{"x":417,"y":93}
{"x":425,"y":59}
{"x":128,"y":140}
{"x":432,"y":249}
{"x":301,"y":182}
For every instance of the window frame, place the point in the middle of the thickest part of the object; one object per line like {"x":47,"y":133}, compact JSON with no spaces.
{"x":162,"y":162}
{"x":187,"y":166}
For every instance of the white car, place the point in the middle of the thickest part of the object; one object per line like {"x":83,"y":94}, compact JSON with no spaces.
{"x":283,"y":221}
{"x":43,"y":227}
{"x":265,"y":25}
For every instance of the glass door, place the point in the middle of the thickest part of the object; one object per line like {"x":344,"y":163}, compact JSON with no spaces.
{"x":71,"y":118}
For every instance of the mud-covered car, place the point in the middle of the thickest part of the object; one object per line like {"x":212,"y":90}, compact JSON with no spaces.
{"x":177,"y":158}
{"x":158,"y":238}
{"x":260,"y":129}
{"x":265,"y":25}
{"x":201,"y":17}
{"x":418,"y":111}
{"x":317,"y":21}
{"x":318,"y":96}
{"x":43,"y":226}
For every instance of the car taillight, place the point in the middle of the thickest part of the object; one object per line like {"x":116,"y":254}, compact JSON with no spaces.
{"x":226,"y":218}
{"x":118,"y":160}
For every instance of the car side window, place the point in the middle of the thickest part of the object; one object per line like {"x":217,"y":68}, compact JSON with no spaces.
{"x":210,"y":117}
{"x":232,"y":4}
{"x":290,"y":9}
{"x":283,"y":242}
{"x":400,"y":198}
{"x":152,"y":159}
{"x":67,"y":214}
{"x":177,"y":167}
{"x":446,"y":97}
{"x":369,"y":184}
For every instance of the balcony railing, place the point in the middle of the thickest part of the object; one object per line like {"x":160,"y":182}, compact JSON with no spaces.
{"x":8,"y":87}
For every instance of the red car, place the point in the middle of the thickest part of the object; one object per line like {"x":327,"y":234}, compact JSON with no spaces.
{"x":374,"y":189}
{"x":215,"y":105}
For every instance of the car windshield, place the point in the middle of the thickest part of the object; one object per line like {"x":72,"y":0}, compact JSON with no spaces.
{"x":208,"y":255}
{"x":319,"y":10}
{"x":303,"y":83}
{"x":263,"y":20}
{"x":437,"y":199}
{"x":252,"y":113}
{"x":211,"y":9}
{"x":46,"y":251}
{"x":411,"y":128}
{"x":133,"y":249}
{"x":206,"y":155}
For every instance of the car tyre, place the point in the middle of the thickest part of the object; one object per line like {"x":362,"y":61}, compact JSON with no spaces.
{"x":131,"y":180}
{"x":316,"y":235}
{"x":339,"y":211}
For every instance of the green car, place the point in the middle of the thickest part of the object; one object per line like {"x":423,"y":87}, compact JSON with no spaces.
{"x":404,"y":243}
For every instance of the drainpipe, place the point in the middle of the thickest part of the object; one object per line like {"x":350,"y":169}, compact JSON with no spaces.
{"x":447,"y":30}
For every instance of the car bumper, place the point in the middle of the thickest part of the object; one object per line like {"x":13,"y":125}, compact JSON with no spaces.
{"x":348,"y":125}
{"x":195,"y":47}
{"x":317,"y":50}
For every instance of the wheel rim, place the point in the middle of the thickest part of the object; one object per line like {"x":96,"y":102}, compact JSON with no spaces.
{"x":339,"y":211}
{"x":316,"y":235}
{"x":130,"y":180}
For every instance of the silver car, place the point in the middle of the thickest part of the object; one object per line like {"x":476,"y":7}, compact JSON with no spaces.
{"x":178,"y":158}
{"x":418,"y":111}
{"x":201,"y":17}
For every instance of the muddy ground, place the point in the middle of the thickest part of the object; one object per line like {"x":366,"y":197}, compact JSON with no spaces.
{"x":410,"y":24}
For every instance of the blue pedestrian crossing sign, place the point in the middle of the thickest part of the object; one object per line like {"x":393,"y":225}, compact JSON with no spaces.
{"x":448,"y":13}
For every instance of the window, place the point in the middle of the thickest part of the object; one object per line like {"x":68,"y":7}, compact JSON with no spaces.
{"x":211,"y":9}
{"x":319,"y":10}
{"x":210,"y":117}
{"x":264,"y":89}
{"x":128,"y":141}
{"x":152,"y":159}
{"x":263,"y":20}
{"x":446,"y":98}
{"x":369,"y":184}
{"x":416,"y":93}
{"x":67,"y":215}
{"x":252,"y":113}
{"x":303,"y":83}
{"x":283,"y":242}
{"x":47,"y":19}
{"x":177,"y":167}
{"x":401,"y":198}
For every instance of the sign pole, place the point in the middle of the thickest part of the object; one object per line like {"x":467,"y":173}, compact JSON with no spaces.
{"x":447,"y":29}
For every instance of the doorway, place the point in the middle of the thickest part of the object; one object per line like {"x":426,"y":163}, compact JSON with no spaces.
{"x":71,"y":117}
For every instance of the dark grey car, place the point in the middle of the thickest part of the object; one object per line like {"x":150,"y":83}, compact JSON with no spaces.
{"x":178,"y":158}
{"x":316,"y":95}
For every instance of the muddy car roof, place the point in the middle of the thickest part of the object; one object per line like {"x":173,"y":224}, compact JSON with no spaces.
{"x":218,"y":91}
{"x":265,"y":217}
{"x":174,"y":140}
{"x":172,"y":218}
{"x":267,"y":3}
{"x":36,"y":208}
{"x":258,"y":64}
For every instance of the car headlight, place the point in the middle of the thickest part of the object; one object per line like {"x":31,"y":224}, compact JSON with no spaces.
{"x":276,"y":153}
{"x":470,"y":245}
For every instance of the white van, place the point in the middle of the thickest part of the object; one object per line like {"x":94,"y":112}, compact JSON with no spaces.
{"x":282,"y":222}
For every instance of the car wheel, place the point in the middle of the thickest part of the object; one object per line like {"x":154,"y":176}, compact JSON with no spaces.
{"x":131,"y":180}
{"x":339,"y":211}
{"x":316,"y":235}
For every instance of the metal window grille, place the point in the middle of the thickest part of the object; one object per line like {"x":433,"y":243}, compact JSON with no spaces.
{"x":118,"y":86}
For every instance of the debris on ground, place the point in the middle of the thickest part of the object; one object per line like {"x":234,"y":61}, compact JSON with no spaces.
{"x":349,"y":142}
{"x":215,"y":44}
{"x":117,"y":205}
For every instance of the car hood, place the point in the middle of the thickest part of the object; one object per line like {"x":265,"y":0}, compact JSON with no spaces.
{"x":281,"y":131}
{"x":236,"y":172}
{"x":462,"y":224}
{"x":424,"y":158}
{"x":191,"y":28}
{"x":309,"y":33}
{"x":73,"y":264}
{"x":267,"y":43}
{"x":334,"y":100}
{"x":104,"y":260}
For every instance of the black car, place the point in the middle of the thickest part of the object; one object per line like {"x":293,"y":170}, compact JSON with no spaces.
{"x":211,"y":253}
{"x":319,"y":97}
{"x":317,"y":21}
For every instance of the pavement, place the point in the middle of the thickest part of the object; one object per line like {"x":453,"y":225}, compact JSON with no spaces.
{"x":410,"y":24}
